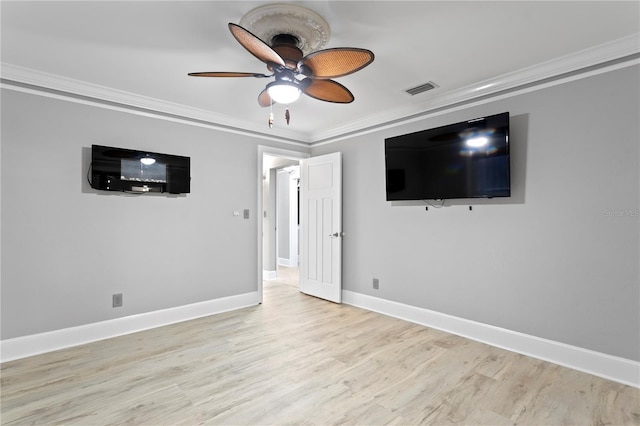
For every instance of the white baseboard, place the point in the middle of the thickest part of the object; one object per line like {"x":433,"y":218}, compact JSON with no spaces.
{"x":596,"y":363}
{"x":282,"y":261}
{"x":269,"y":275}
{"x":603,"y":365}
{"x":24,"y":346}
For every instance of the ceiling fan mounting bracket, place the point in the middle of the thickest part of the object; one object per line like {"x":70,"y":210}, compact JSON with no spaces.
{"x":285,"y":39}
{"x":288,"y":47}
{"x":272,"y":21}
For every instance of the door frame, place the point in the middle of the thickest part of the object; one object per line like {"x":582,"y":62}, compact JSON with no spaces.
{"x":274,"y":152}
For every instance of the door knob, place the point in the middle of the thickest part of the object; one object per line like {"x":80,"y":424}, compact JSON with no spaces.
{"x":335,"y":234}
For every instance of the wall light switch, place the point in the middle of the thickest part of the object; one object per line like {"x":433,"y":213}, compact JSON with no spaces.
{"x":246,"y":213}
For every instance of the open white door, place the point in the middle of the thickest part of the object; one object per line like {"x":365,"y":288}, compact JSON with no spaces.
{"x":321,"y":226}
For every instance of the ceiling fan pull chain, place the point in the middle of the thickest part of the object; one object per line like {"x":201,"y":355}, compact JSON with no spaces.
{"x":287,"y":116}
{"x":271,"y":115}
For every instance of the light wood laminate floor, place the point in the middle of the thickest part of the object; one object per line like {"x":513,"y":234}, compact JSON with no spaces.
{"x":299,"y":360}
{"x":289,"y":276}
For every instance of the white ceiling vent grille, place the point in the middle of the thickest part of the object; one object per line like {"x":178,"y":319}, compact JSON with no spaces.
{"x":421,"y":88}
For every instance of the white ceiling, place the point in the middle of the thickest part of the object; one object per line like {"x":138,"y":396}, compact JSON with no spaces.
{"x":139,"y":53}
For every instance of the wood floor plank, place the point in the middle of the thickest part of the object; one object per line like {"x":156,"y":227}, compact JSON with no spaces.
{"x":299,"y":360}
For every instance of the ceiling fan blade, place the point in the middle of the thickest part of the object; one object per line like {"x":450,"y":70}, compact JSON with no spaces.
{"x":264,"y":99}
{"x":255,"y":46}
{"x":227,"y":74}
{"x":337,"y":62}
{"x":329,"y":91}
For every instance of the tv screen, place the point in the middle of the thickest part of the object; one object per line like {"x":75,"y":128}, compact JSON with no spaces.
{"x":119,"y":169}
{"x":469,"y":159}
{"x":136,"y":170}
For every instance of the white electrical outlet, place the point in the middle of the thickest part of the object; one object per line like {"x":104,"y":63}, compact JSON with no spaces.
{"x":117,"y":300}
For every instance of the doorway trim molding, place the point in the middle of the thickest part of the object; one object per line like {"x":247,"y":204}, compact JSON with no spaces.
{"x":274,"y":152}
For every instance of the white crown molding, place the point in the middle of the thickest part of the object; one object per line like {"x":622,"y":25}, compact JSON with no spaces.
{"x":24,"y":346}
{"x":595,"y":60}
{"x":29,"y":80}
{"x":516,"y":82}
{"x":610,"y":367}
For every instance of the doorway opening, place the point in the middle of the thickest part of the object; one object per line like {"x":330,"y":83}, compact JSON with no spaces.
{"x":278,"y":197}
{"x":285,"y":192}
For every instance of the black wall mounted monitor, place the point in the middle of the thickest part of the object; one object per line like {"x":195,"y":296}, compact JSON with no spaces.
{"x":127,"y":170}
{"x":469,"y":159}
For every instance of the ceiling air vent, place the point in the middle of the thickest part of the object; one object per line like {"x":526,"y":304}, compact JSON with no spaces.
{"x":421,"y":88}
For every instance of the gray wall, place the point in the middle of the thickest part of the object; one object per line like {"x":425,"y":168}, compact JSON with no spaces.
{"x":558,"y":260}
{"x":67,"y":248}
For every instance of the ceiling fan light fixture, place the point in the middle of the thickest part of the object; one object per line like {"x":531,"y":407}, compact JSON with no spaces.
{"x":283,"y":92}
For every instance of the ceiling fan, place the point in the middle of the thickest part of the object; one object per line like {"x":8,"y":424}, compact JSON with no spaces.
{"x":295,"y":73}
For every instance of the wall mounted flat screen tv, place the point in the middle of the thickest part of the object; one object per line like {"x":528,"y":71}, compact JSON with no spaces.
{"x":127,"y":170}
{"x":469,"y":159}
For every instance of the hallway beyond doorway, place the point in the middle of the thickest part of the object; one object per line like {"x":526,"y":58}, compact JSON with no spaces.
{"x":289,"y":276}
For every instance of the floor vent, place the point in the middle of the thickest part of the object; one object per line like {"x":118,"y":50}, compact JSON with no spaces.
{"x":421,"y":88}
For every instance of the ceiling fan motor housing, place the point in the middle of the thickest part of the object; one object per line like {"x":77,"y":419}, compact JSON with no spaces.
{"x":289,"y":76}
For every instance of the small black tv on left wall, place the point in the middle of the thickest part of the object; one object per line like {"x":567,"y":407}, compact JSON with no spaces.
{"x":128,"y":170}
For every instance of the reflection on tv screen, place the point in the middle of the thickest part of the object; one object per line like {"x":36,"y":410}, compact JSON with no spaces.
{"x":134,"y":170}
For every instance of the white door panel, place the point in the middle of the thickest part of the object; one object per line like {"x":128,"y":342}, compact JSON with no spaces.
{"x":321,"y":227}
